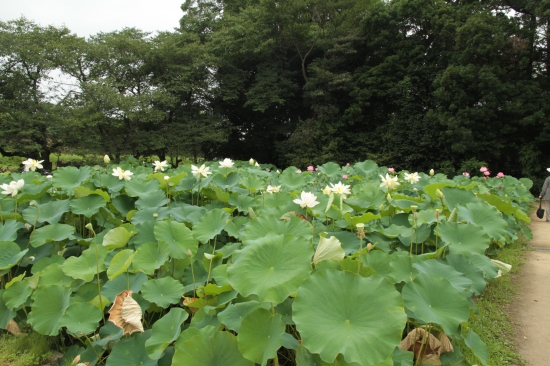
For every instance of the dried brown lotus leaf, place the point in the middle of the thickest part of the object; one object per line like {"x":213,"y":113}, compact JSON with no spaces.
{"x":13,"y":328}
{"x":126,"y":313}
{"x":446,"y":345}
{"x":416,"y":341}
{"x":76,"y":362}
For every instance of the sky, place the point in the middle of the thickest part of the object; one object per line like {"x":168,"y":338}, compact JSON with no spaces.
{"x":89,"y":17}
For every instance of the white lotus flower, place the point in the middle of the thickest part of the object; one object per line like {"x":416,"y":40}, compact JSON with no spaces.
{"x":256,"y":164}
{"x":327,"y":190}
{"x":12,"y":188}
{"x":226,"y":163}
{"x":389,"y":182}
{"x":251,"y":161}
{"x":340,"y":188}
{"x":306,"y":199}
{"x":273,"y":189}
{"x":122,"y":174}
{"x":412,"y":178}
{"x":160,"y":165}
{"x":203,"y":170}
{"x":31,"y":164}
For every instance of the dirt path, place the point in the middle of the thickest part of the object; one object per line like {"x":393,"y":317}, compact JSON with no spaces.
{"x":530,"y":311}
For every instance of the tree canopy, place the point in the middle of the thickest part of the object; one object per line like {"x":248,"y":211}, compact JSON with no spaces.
{"x":415,"y":84}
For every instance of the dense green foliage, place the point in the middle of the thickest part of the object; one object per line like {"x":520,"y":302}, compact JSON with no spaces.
{"x":233,"y":263}
{"x":448,"y":84}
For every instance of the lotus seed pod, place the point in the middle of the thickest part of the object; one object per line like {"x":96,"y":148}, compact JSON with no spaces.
{"x":360,"y":227}
{"x":155,"y":215}
{"x":414,"y":208}
{"x":89,"y":226}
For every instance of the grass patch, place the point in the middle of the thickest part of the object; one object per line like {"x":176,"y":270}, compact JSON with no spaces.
{"x":492,"y":323}
{"x":24,"y":350}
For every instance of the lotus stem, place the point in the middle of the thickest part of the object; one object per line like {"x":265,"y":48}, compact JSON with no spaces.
{"x":423,"y":344}
{"x":97,"y":275}
{"x":211,"y":260}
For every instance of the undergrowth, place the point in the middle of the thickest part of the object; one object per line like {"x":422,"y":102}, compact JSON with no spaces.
{"x":24,"y":350}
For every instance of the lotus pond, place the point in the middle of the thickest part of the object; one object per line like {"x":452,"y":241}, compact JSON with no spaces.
{"x":233,"y":263}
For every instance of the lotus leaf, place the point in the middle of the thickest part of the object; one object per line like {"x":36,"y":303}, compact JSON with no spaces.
{"x":17,"y":294}
{"x":178,"y":237}
{"x":87,"y":206}
{"x":219,"y":349}
{"x":150,"y":256}
{"x":81,"y":318}
{"x":262,"y":226}
{"x":132,"y":282}
{"x":148,"y":214}
{"x":234,"y":314}
{"x":475,"y":343}
{"x":273,"y":268}
{"x":432,"y":299}
{"x":53,"y":275}
{"x":131,"y":351}
{"x":68,"y":178}
{"x":55,"y":232}
{"x":165,"y":331}
{"x":157,"y":199}
{"x":5,"y":313}
{"x":291,"y":181}
{"x":163,"y":292}
{"x":10,"y":254}
{"x":341,"y":312}
{"x":117,"y":238}
{"x":47,"y":309}
{"x":485,"y":216}
{"x":260,"y":335}
{"x":328,"y":249}
{"x":437,"y":268}
{"x":50,"y":212}
{"x":142,"y":188}
{"x":87,"y":265}
{"x":465,"y":239}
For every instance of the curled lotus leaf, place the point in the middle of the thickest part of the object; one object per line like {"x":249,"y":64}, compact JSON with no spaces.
{"x":126,"y":313}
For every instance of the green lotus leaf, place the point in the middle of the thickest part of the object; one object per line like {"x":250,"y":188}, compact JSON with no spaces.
{"x":210,"y":225}
{"x":365,"y":168}
{"x":151,"y":256}
{"x":120,"y":263}
{"x":463,"y":265}
{"x":8,"y":230}
{"x":431,"y":189}
{"x":132,"y":282}
{"x":437,"y":268}
{"x":68,"y":178}
{"x":82,"y":191}
{"x":328,"y":249}
{"x":234,"y":314}
{"x":273,"y":268}
{"x":165,"y":331}
{"x":219,"y":349}
{"x":53,"y":275}
{"x":49,"y":233}
{"x":276,"y":204}
{"x":10,"y":254}
{"x":148,"y":214}
{"x":241,"y":201}
{"x":87,"y":265}
{"x":186,"y":213}
{"x":178,"y":237}
{"x":17,"y":294}
{"x":341,"y":312}
{"x":331,"y":169}
{"x":142,"y":188}
{"x":260,"y":335}
{"x":124,"y":204}
{"x":251,"y":183}
{"x":47,"y":309}
{"x":292,"y":181}
{"x":262,"y":226}
{"x":112,"y":183}
{"x":224,"y":182}
{"x":157,"y":199}
{"x":81,"y":318}
{"x":396,"y":267}
{"x":432,"y":299}
{"x":485,"y":216}
{"x":33,"y":191}
{"x":50,"y":212}
{"x":464,"y":239}
{"x":87,"y":206}
{"x":131,"y":351}
{"x":306,"y":358}
{"x":5,"y":313}
{"x":163,"y":292}
{"x":366,"y":195}
{"x":402,"y":357}
{"x":457,"y":196}
{"x":117,"y":238}
{"x":475,"y":343}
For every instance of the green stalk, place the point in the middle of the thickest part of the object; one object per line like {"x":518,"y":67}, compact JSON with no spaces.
{"x":97,"y":272}
{"x":211,"y":259}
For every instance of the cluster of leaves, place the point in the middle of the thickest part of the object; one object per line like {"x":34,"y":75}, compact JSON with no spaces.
{"x":222,"y":272}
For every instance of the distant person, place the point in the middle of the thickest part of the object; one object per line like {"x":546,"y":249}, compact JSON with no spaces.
{"x":545,"y":195}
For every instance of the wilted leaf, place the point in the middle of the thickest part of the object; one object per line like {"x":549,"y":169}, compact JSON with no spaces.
{"x":126,"y":313}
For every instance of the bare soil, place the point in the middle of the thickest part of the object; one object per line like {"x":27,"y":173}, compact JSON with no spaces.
{"x":530,"y":311}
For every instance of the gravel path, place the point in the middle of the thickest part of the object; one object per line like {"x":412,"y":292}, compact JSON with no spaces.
{"x":530,"y":310}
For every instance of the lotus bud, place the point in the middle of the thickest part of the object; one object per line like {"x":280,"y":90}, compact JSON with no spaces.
{"x":278,"y":172}
{"x":155,"y":215}
{"x":414,"y":208}
{"x":415,"y":216}
{"x":49,"y":176}
{"x":381,"y":207}
{"x":89,"y":226}
{"x":256,"y":164}
{"x":106,"y":159}
{"x":31,"y":258}
{"x":432,"y":172}
{"x":251,"y":161}
{"x":370,"y":247}
{"x":33,"y":203}
{"x":439,"y":194}
{"x":166,"y":177}
{"x":388,"y":196}
{"x":28,"y":226}
{"x":189,"y":253}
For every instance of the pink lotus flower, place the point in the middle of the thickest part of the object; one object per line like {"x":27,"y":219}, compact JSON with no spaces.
{"x":500,"y":175}
{"x":344,"y":176}
{"x":391,"y":170}
{"x":347,"y":164}
{"x":310,"y":168}
{"x":483,"y":169}
{"x":487,"y":173}
{"x":316,"y":169}
{"x":466,"y":174}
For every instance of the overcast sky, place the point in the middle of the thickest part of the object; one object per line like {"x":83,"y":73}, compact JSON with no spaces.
{"x":88,"y":17}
